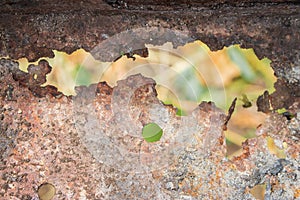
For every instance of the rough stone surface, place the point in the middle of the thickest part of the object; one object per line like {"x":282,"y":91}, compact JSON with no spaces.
{"x":90,"y":146}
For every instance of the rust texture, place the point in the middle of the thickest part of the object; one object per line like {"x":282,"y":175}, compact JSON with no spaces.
{"x":90,"y":146}
{"x":35,"y":28}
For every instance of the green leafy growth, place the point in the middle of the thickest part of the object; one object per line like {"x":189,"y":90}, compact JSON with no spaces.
{"x":239,"y":58}
{"x":83,"y":76}
{"x":181,"y":112}
{"x":152,"y":132}
{"x":281,"y":110}
{"x":188,"y":85}
{"x":284,"y":112}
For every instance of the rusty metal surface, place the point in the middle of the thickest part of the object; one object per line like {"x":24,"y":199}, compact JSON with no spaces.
{"x":90,"y":146}
{"x":35,"y":28}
